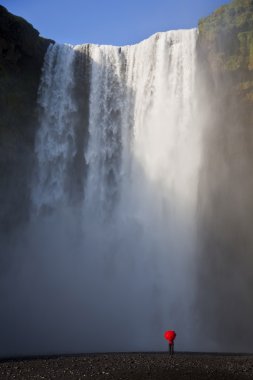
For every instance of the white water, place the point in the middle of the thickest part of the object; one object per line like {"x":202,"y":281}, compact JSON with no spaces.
{"x":55,"y":142}
{"x":134,"y":231}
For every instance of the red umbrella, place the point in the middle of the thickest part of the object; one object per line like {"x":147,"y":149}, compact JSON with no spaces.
{"x":170,"y":335}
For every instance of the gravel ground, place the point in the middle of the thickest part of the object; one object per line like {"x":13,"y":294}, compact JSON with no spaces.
{"x":130,"y":366}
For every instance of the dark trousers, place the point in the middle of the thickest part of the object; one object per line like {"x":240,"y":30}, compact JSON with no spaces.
{"x":171,"y":348}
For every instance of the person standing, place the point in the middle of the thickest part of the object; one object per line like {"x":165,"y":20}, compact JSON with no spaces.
{"x":170,"y":336}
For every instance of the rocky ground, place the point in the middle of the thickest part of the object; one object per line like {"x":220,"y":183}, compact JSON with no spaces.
{"x":131,"y":366}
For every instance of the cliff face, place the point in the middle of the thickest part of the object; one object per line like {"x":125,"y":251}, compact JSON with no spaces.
{"x":225,"y":48}
{"x":21,"y":57}
{"x":226,"y":40}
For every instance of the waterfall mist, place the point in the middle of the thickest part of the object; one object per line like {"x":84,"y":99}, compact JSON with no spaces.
{"x":106,"y":262}
{"x":225,"y":214}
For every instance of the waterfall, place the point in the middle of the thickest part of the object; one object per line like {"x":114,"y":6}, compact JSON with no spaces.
{"x":133,"y":231}
{"x":55,"y":141}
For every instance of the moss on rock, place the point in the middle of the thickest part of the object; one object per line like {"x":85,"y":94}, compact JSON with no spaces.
{"x":226,"y":40}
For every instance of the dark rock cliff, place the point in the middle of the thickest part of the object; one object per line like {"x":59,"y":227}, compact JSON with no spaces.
{"x":225,"y":48}
{"x":21,"y":58}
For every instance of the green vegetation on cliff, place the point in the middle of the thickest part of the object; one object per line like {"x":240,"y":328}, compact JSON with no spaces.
{"x":226,"y":40}
{"x":229,"y":34}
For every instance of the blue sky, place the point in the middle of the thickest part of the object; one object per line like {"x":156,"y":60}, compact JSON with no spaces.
{"x":116,"y":22}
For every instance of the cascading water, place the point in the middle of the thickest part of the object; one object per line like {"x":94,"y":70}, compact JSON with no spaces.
{"x":131,"y":237}
{"x":55,"y":144}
